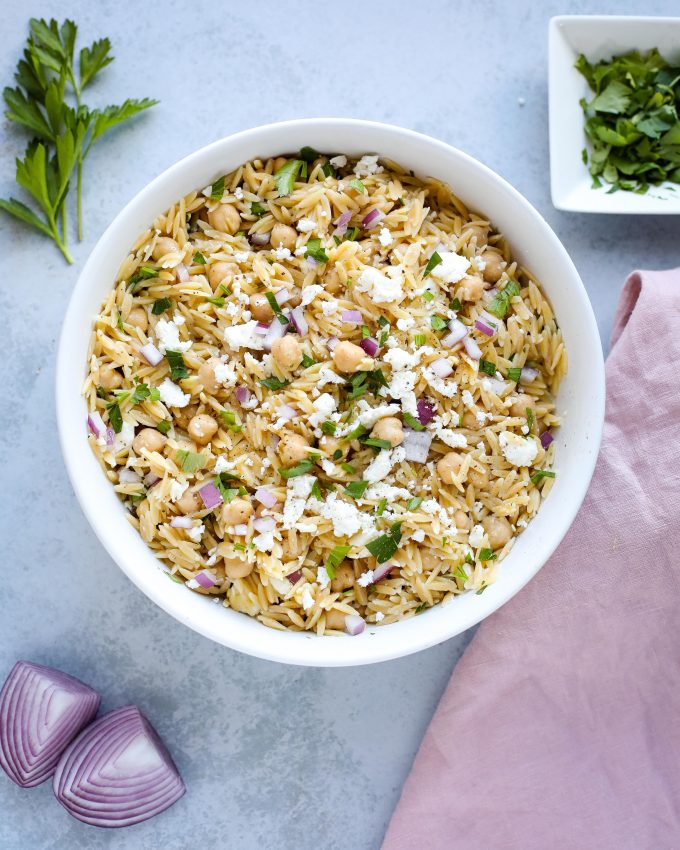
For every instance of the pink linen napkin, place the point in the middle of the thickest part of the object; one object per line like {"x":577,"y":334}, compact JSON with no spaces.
{"x":560,"y":728}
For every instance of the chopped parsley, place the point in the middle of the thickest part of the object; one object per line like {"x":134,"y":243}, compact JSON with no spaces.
{"x":383,"y":322}
{"x":329,"y":427}
{"x":421,"y":607}
{"x":455,"y":304}
{"x":301,"y":468}
{"x":337,"y":454}
{"x":415,"y":503}
{"x":487,"y":555}
{"x":356,"y":489}
{"x":307,"y":361}
{"x":223,"y":484}
{"x":530,"y":418}
{"x":362,"y":382}
{"x":432,"y":263}
{"x":412,"y":421}
{"x":419,"y":340}
{"x":178,"y":369}
{"x":487,"y":367}
{"x":383,"y":548}
{"x":257,"y":208}
{"x":189,"y":461}
{"x":314,"y":250}
{"x":348,"y":468}
{"x":142,"y":273}
{"x":351,"y":234}
{"x":163,"y":426}
{"x":308,"y":154}
{"x":276,"y":307}
{"x":460,"y":574}
{"x":217,"y":300}
{"x":438,"y":323}
{"x":380,"y":509}
{"x":160,"y":306}
{"x":374,"y":443}
{"x":230,"y":421}
{"x":115,"y":416}
{"x":428,"y":296}
{"x":316,"y":490}
{"x":355,"y":183}
{"x":217,"y":189}
{"x":481,"y":589}
{"x":142,"y":392}
{"x":274,"y":383}
{"x":500,"y":304}
{"x":198,"y":259}
{"x":335,"y":558}
{"x":514,"y":373}
{"x":365,"y":332}
{"x":328,"y":169}
{"x":384,"y":336}
{"x":285,"y":176}
{"x":539,"y":474}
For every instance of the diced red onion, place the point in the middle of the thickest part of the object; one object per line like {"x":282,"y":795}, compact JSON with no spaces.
{"x":205,"y":579}
{"x":354,"y":624}
{"x":182,"y":273}
{"x":311,"y":262}
{"x":110,"y":436}
{"x":294,"y":577}
{"x":151,"y":354}
{"x":297,"y":317}
{"x":342,"y":223}
{"x":259,"y":238}
{"x":264,"y":524}
{"x":381,"y":571}
{"x":286,"y":411}
{"x":129,"y":476}
{"x":458,"y":332}
{"x":41,"y":711}
{"x":276,"y":331}
{"x":372,"y":218}
{"x":241,"y":529}
{"x":182,"y":522}
{"x":488,"y":319}
{"x":442,"y":368}
{"x":264,"y":497}
{"x":261,"y":328}
{"x":96,"y":424}
{"x":332,"y":342}
{"x":416,"y":445}
{"x":242,"y":395}
{"x":150,"y":479}
{"x":370,"y":346}
{"x":546,"y":439}
{"x":117,"y":772}
{"x":282,"y":296}
{"x":485,"y":329}
{"x":528,"y":375}
{"x":352,"y":317}
{"x":210,"y":496}
{"x":473,"y":350}
{"x":426,"y":411}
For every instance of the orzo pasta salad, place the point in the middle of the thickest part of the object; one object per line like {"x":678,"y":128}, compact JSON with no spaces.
{"x":324,"y":390}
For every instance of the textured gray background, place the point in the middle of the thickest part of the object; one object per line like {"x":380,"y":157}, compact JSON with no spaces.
{"x":272,"y":755}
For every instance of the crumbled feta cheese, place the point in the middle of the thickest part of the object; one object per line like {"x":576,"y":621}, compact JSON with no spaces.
{"x":282,"y":253}
{"x":381,"y":288}
{"x":380,"y":467}
{"x":177,"y":489}
{"x":179,"y":319}
{"x":264,"y":542}
{"x":382,"y":490}
{"x":297,"y":493}
{"x":306,"y":527}
{"x":451,"y":438}
{"x":481,"y":416}
{"x":167,"y":334}
{"x":339,"y":161}
{"x":196,"y":532}
{"x":306,"y":225}
{"x":329,"y":307}
{"x":238,"y":193}
{"x":366,"y":166}
{"x":365,"y":579}
{"x":468,"y":400}
{"x":368,"y":415}
{"x":445,"y":388}
{"x":307,"y":598}
{"x":418,"y":535}
{"x":477,"y":536}
{"x":328,"y":376}
{"x":323,"y":406}
{"x":385,"y":237}
{"x":405,"y":324}
{"x":172,"y":395}
{"x":519,"y":451}
{"x":400,"y":360}
{"x":346,"y":519}
{"x":241,"y":256}
{"x":322,"y":577}
{"x":401,"y":386}
{"x":243,"y":336}
{"x":309,"y":293}
{"x":223,"y":465}
{"x":301,"y":251}
{"x":328,"y":466}
{"x":124,"y":438}
{"x":379,"y":616}
{"x":452,"y":268}
{"x":225,"y":374}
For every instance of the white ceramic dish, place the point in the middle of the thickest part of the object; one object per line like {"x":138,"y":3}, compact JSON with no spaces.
{"x":598,"y":37}
{"x":581,"y":397}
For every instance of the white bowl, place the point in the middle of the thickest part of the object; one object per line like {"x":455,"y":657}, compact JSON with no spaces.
{"x":581,"y":398}
{"x":598,"y":37}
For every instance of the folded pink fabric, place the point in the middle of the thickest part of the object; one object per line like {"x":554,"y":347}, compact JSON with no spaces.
{"x":560,"y":728}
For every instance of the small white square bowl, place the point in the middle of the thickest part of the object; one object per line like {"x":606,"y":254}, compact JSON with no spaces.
{"x":598,"y":37}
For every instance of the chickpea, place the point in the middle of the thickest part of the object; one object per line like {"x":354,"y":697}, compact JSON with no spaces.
{"x":343,"y":578}
{"x":478,"y":478}
{"x":287,"y":353}
{"x":520,"y":405}
{"x":236,"y":512}
{"x":164,"y":245}
{"x":294,"y":297}
{"x":202,"y":428}
{"x":149,"y":439}
{"x":462,"y":520}
{"x":219,"y":272}
{"x":190,"y":502}
{"x":236,"y":564}
{"x":480,"y":232}
{"x":470,"y":421}
{"x":349,"y":357}
{"x":331,"y":281}
{"x":109,"y":378}
{"x":448,"y":467}
{"x":335,"y":619}
{"x":279,"y":162}
{"x":390,"y":429}
{"x":225,"y":218}
{"x":183,"y":415}
{"x":471,"y":288}
{"x":283,"y":234}
{"x":498,"y":530}
{"x":261,"y":308}
{"x":138,"y":319}
{"x":292,"y":449}
{"x":494,"y":266}
{"x":429,"y":560}
{"x":206,"y":375}
{"x":330,"y":445}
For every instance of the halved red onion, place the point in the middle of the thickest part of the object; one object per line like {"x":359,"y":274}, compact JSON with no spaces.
{"x":110,"y":436}
{"x":426,"y":411}
{"x":286,"y":411}
{"x":242,"y":395}
{"x":442,"y":368}
{"x":276,"y":331}
{"x":261,"y":328}
{"x":297,"y":317}
{"x":473,"y":350}
{"x":351,"y":317}
{"x":96,"y":424}
{"x":416,"y":445}
{"x":117,"y":772}
{"x":41,"y":711}
{"x":294,"y":577}
{"x":342,"y":223}
{"x":129,"y":476}
{"x":182,"y":522}
{"x":150,"y":479}
{"x":241,"y":529}
{"x":485,"y":329}
{"x":331,"y":342}
{"x":182,"y":273}
{"x":546,"y":439}
{"x":372,"y":218}
{"x":259,"y":238}
{"x":381,"y":571}
{"x":528,"y":375}
{"x":264,"y":524}
{"x":458,"y":331}
{"x":281,"y":296}
{"x":370,"y":346}
{"x":264,"y":497}
{"x":354,"y":624}
{"x":151,"y":354}
{"x":205,"y":579}
{"x":210,"y":496}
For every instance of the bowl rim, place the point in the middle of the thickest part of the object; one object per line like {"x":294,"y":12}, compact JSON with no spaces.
{"x":340,"y":651}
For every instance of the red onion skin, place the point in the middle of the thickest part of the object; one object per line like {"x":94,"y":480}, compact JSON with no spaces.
{"x":210,"y":496}
{"x":204,"y":580}
{"x":426,"y":411}
{"x":370,"y":346}
{"x":242,"y":395}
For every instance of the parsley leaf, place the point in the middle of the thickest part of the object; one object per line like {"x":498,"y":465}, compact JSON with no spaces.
{"x":380,"y":509}
{"x":500,"y":303}
{"x":329,"y":427}
{"x":432,"y":263}
{"x":307,"y":361}
{"x":230,"y":421}
{"x":274,"y":383}
{"x":163,"y":426}
{"x":356,"y":489}
{"x":530,"y":417}
{"x":412,"y":421}
{"x":414,"y":503}
{"x":375,"y":443}
{"x":539,"y":474}
{"x":455,"y":305}
{"x":115,"y":417}
{"x":178,"y":369}
{"x":217,"y":189}
{"x":189,"y":461}
{"x":487,"y":367}
{"x":438,"y":323}
{"x":487,"y":555}
{"x":301,"y":468}
{"x":198,"y":259}
{"x":514,"y":373}
{"x":285,"y":176}
{"x":383,"y":548}
{"x":276,"y":307}
{"x":257,"y":208}
{"x":355,"y":183}
{"x":315,"y":251}
{"x":160,"y":306}
{"x":335,"y":558}
{"x":308,"y":154}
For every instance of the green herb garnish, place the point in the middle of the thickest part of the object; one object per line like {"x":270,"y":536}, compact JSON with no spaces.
{"x":487,"y":367}
{"x":142,"y":392}
{"x":328,"y":170}
{"x":419,"y":340}
{"x":514,"y":373}
{"x":189,"y":461}
{"x":285,"y":176}
{"x":217,"y":300}
{"x":380,"y":509}
{"x":316,"y":490}
{"x":383,"y":322}
{"x":308,"y":154}
{"x":301,"y":468}
{"x":487,"y":555}
{"x":356,"y":489}
{"x":530,"y":417}
{"x":455,"y":304}
{"x":384,"y":547}
{"x":160,"y":306}
{"x":115,"y":417}
{"x":274,"y":383}
{"x":178,"y":369}
{"x":415,"y":503}
{"x":348,"y":468}
{"x":198,"y":259}
{"x":421,"y":608}
{"x":142,"y":273}
{"x":329,"y":427}
{"x":438,"y":323}
{"x":460,"y":574}
{"x":217,"y":190}
{"x":432,"y":263}
{"x":307,"y":361}
{"x":276,"y":307}
{"x":500,"y":303}
{"x":257,"y":208}
{"x":412,"y":421}
{"x":230,"y":421}
{"x":539,"y":474}
{"x":163,"y":426}
{"x":481,"y":589}
{"x":314,"y":250}
{"x":428,"y":296}
{"x":337,"y":454}
{"x":335,"y":558}
{"x":355,"y":183}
